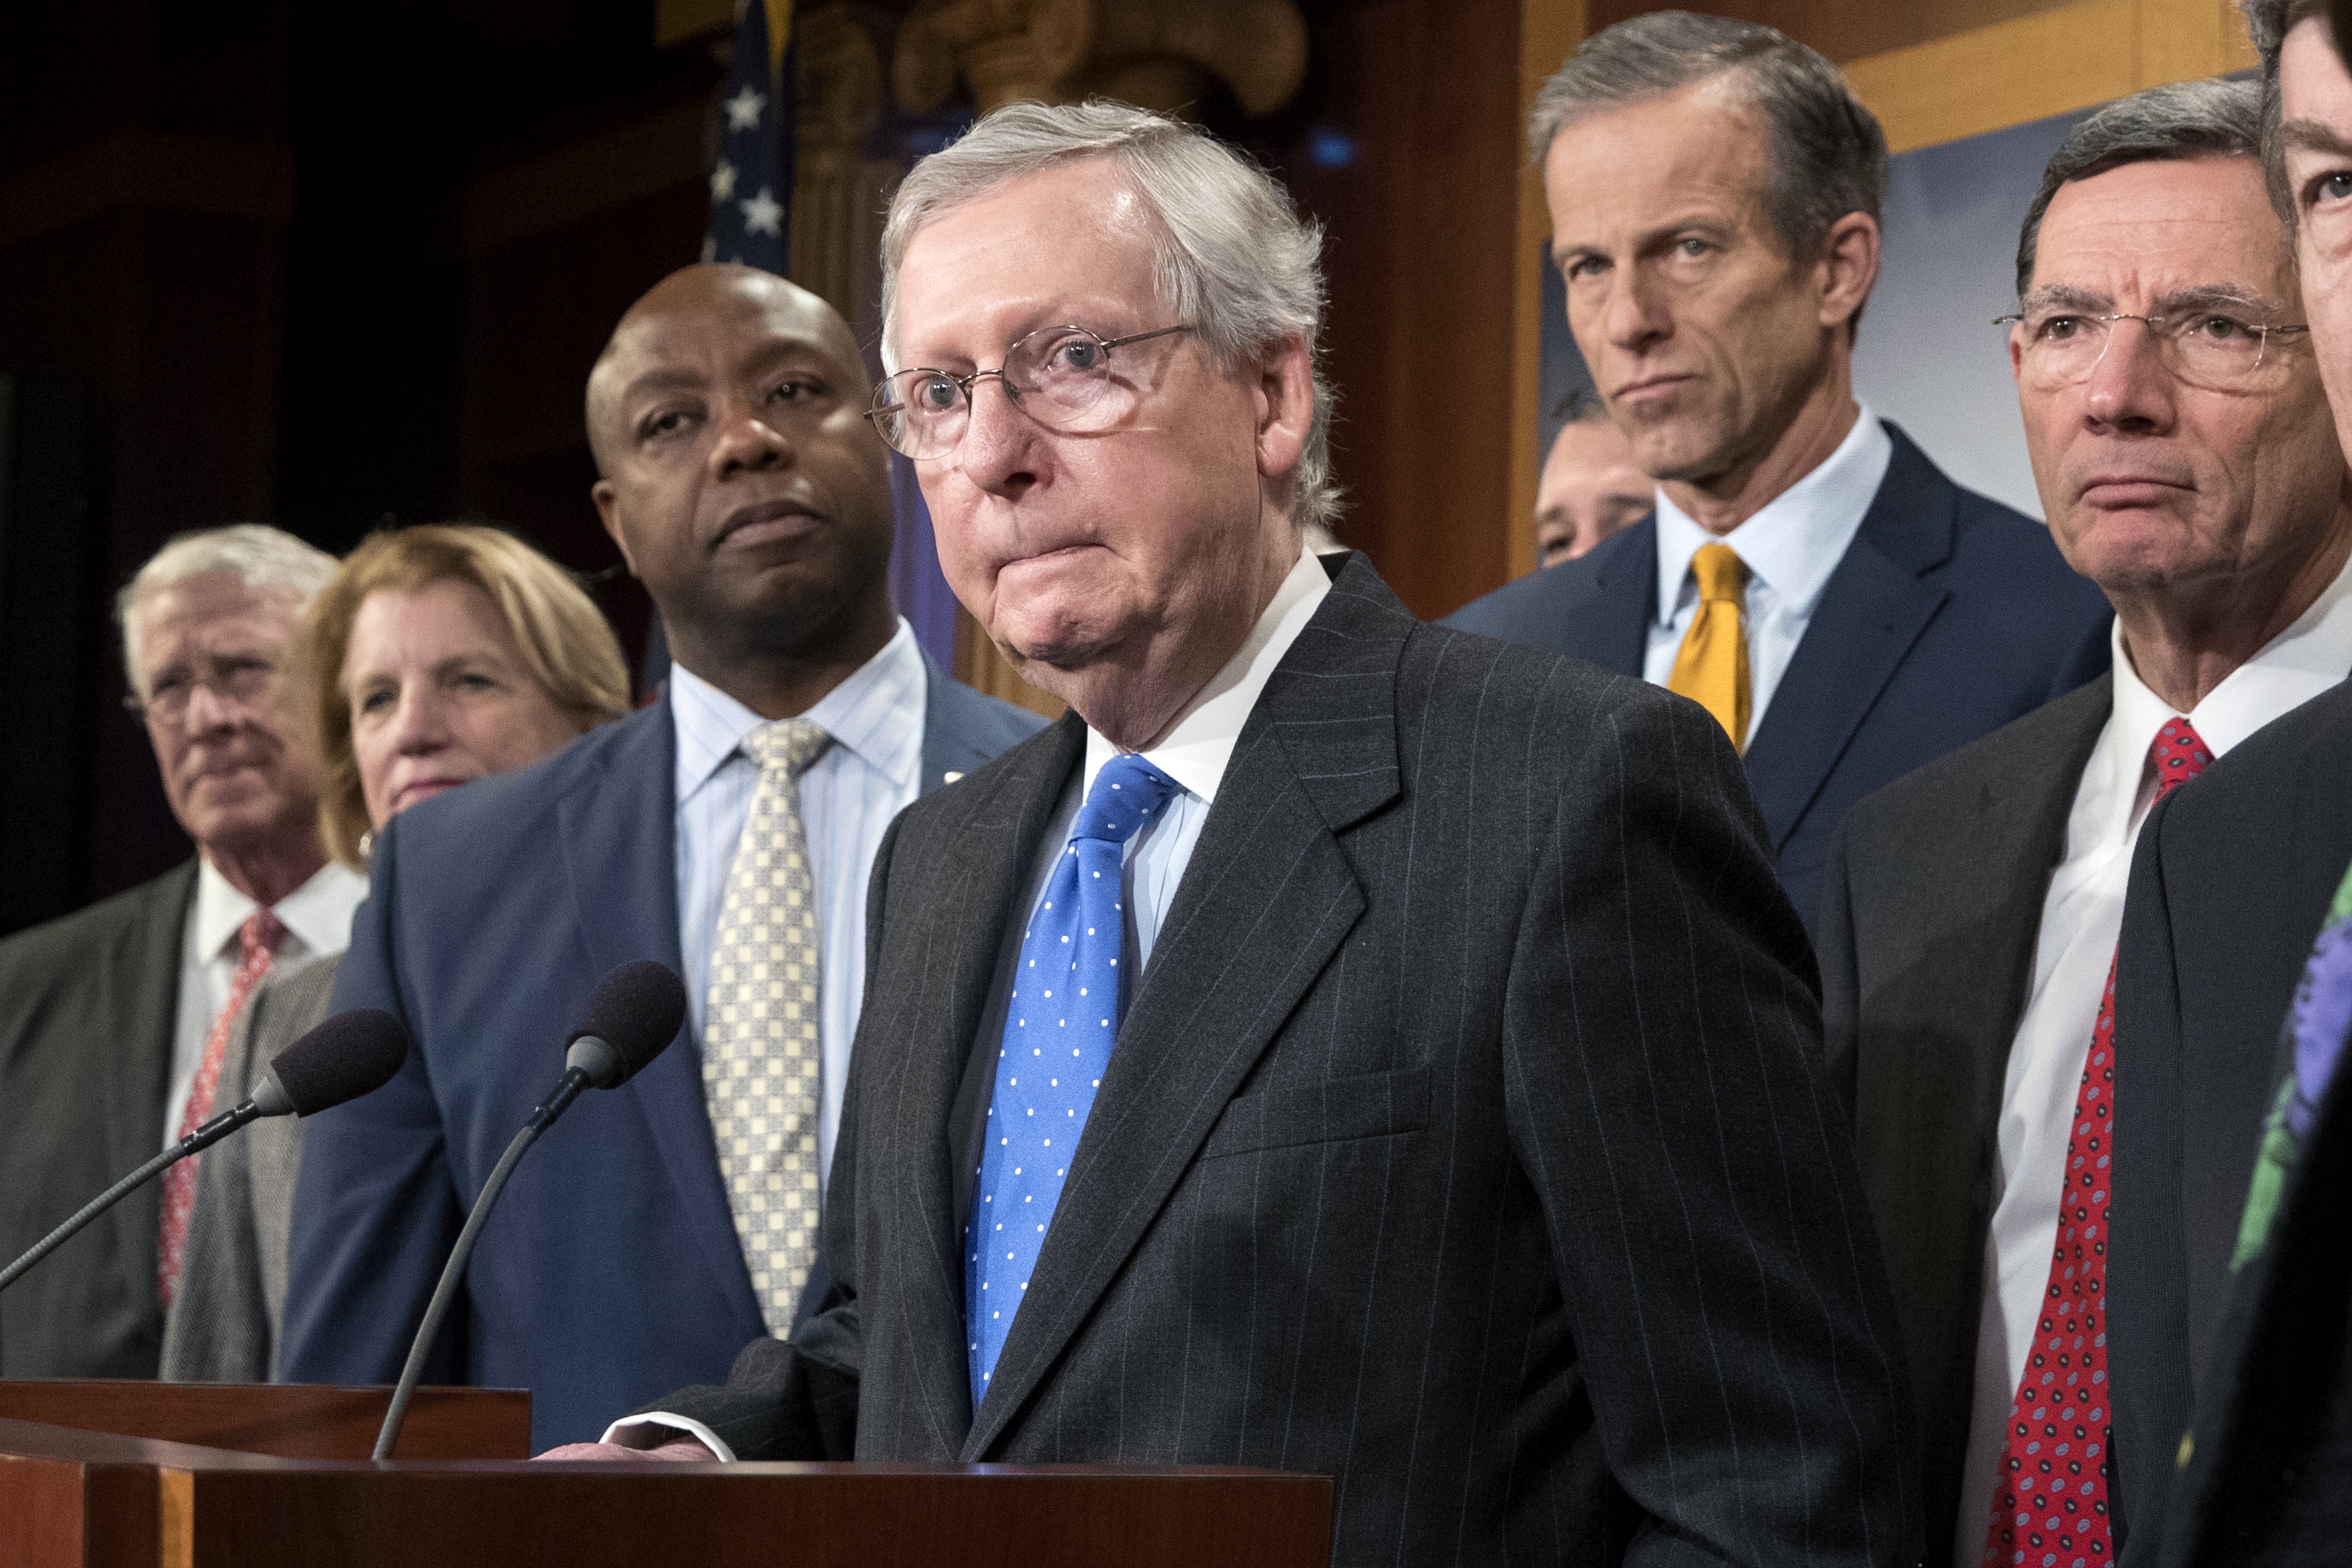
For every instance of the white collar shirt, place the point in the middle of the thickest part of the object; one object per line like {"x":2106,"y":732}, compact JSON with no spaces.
{"x":1194,"y":753}
{"x":317,"y":919}
{"x":1789,"y":547}
{"x":1197,"y":748}
{"x":2081,"y":919}
{"x":847,"y":798}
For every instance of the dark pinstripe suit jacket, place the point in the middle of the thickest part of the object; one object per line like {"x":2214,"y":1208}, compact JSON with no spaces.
{"x":1466,"y":1140}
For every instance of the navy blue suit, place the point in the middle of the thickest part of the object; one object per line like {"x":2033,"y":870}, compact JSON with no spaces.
{"x":610,"y":1272}
{"x":1949,"y":615}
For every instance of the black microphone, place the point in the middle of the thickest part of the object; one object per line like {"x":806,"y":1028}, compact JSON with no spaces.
{"x":343,"y":1058}
{"x":631,"y":1019}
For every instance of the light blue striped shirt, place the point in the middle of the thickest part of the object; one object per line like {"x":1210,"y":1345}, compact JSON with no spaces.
{"x":848,"y":797}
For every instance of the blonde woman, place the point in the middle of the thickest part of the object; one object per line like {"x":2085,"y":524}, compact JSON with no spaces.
{"x":437,"y":655}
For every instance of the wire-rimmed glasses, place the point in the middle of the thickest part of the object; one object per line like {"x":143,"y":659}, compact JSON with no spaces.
{"x":2206,"y":348}
{"x":1058,"y":375}
{"x":238,"y":680}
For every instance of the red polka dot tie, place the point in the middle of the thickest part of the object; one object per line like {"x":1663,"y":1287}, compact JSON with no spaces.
{"x":258,"y":941}
{"x":2050,"y":1501}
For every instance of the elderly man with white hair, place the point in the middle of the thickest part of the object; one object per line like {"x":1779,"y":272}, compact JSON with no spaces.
{"x":113,"y":1020}
{"x":1340,"y":1045}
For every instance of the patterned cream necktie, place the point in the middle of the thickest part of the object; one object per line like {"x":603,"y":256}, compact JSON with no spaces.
{"x":760,"y":1055}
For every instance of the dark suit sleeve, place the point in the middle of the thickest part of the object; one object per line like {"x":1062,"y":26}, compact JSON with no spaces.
{"x":374,"y":1210}
{"x":798,"y":1400}
{"x":1665,"y":1093}
{"x":2148,"y":1263}
{"x":1841,"y":980}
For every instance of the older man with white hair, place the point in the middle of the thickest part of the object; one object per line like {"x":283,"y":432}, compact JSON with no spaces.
{"x":1340,"y":1044}
{"x":113,"y":1020}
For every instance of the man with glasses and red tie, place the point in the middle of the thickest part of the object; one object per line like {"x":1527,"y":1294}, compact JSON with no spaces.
{"x":114,"y":1021}
{"x":2183,"y":445}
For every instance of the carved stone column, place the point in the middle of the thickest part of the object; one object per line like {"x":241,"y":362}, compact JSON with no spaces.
{"x":1160,"y":53}
{"x":839,"y":82}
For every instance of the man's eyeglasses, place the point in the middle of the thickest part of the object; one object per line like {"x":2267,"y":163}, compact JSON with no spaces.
{"x":1059,"y":376}
{"x":2211,"y":349}
{"x":239,"y":680}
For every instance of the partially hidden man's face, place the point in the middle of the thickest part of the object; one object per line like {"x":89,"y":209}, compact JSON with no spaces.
{"x":2315,"y":125}
{"x":1703,"y":335}
{"x":1082,"y":551}
{"x":2153,"y":479}
{"x":1591,"y":489}
{"x":741,"y":478}
{"x":238,"y":764}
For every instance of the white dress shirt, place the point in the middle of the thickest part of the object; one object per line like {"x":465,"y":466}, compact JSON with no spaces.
{"x":2082,"y":916}
{"x":871,"y":773}
{"x":1198,"y":746}
{"x":317,"y":919}
{"x":1789,"y":547}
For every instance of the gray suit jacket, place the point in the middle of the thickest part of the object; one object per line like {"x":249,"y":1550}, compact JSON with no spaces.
{"x":226,"y":1319}
{"x":88,"y":1005}
{"x":1928,"y":920}
{"x":1466,"y":1140}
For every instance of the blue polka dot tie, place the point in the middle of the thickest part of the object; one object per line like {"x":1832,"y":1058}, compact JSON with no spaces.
{"x":1059,"y":1028}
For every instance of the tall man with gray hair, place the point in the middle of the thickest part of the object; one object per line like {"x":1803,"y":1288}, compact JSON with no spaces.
{"x":113,"y":1020}
{"x":1340,"y":1044}
{"x":1844,"y":610}
{"x":2181,"y":439}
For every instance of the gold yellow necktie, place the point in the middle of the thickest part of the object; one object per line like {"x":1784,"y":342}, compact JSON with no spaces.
{"x":1711,"y":667}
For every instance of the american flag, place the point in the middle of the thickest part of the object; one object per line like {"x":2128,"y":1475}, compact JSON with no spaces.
{"x":752,"y":179}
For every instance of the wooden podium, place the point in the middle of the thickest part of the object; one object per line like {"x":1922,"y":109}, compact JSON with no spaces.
{"x":210,"y":1475}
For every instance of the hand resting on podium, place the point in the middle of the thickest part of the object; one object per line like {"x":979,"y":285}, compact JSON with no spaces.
{"x":679,"y":1446}
{"x":684,"y":1449}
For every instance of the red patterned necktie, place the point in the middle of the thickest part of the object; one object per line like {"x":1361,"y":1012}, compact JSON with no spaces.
{"x":2049,"y":1500}
{"x":257,"y":941}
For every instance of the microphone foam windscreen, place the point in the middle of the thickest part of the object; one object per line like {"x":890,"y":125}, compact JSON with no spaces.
{"x":636,"y":1011}
{"x":341,"y":1059}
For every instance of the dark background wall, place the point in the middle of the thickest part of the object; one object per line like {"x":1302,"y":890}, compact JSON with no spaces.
{"x":324,"y":267}
{"x":327,"y":266}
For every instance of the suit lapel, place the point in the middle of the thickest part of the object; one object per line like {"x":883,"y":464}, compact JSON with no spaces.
{"x":1949,"y":1102}
{"x":1610,"y":620}
{"x":1876,"y":603}
{"x":946,"y":750}
{"x":2216,"y":1149}
{"x":619,"y":829}
{"x":149,"y":982}
{"x":909,"y":1097}
{"x":1263,"y":904}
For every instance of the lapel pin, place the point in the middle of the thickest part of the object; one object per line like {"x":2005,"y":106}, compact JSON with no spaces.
{"x":949,"y":776}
